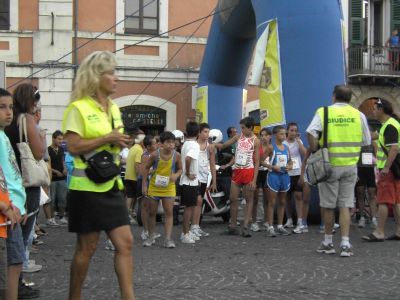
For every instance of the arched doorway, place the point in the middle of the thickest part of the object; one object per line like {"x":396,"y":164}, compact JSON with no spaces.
{"x":151,"y":113}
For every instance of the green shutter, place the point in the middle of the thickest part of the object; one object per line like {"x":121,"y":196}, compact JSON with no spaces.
{"x":357,"y":22}
{"x":395,"y":14}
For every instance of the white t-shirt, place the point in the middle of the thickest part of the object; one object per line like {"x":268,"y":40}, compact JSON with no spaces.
{"x":204,"y":165}
{"x":294,"y":150}
{"x":192,"y":149}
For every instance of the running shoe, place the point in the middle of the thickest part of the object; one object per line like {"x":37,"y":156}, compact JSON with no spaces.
{"x":170,"y":244}
{"x":361,"y":222}
{"x":63,"y":221}
{"x":374,"y":223}
{"x":305,"y":228}
{"x":52,"y":223}
{"x":149,"y":242}
{"x":346,"y":251}
{"x":245,"y":232}
{"x":264,"y":226}
{"x":326,"y":249}
{"x":194,"y":235}
{"x":298,"y":229}
{"x":232,"y":231}
{"x":255,"y":227}
{"x":289,"y":224}
{"x":109,"y":246}
{"x":282,"y":231}
{"x":187,"y":239}
{"x":271,"y":232}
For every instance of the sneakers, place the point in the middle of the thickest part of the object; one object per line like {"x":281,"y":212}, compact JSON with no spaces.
{"x":232,"y":231}
{"x":144,"y":235}
{"x":245,"y":232}
{"x":305,"y":228}
{"x":264,"y":226}
{"x":361,"y":222}
{"x":289,"y":223}
{"x":32,"y":267}
{"x":336,"y":226}
{"x":187,"y":239}
{"x":194,"y":235}
{"x":37,"y":242}
{"x":52,"y":223}
{"x":149,"y":242}
{"x":200,"y":232}
{"x":63,"y":221}
{"x":26,"y":292}
{"x":271,"y":232}
{"x":109,"y":246}
{"x":255,"y":227}
{"x":346,"y":251}
{"x":326,"y":249}
{"x":169,"y":244}
{"x":298,"y":229}
{"x":282,"y":231}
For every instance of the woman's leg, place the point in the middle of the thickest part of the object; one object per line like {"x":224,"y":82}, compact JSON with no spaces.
{"x":255,"y":204}
{"x":85,"y":248}
{"x":122,"y":239}
{"x":152,"y":206}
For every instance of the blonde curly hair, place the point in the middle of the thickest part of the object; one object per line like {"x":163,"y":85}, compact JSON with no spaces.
{"x":87,"y":78}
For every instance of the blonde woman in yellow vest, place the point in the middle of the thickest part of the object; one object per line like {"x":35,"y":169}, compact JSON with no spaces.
{"x":388,"y":187}
{"x":92,"y":124}
{"x":167,"y":168}
{"x":347,"y":131}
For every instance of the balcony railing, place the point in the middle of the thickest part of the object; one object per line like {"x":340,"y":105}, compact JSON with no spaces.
{"x":373,"y":61}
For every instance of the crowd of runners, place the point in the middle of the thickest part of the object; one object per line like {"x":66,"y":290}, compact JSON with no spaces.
{"x":104,"y":178}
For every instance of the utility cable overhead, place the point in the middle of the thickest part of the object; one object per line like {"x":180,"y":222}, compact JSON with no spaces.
{"x":135,"y":44}
{"x":169,"y":60}
{"x":81,"y":46}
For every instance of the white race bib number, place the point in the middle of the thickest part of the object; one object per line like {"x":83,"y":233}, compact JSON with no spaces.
{"x":281,"y":160}
{"x":204,"y":163}
{"x":366,"y":158}
{"x":296,"y":163}
{"x":162,"y":181}
{"x":241,"y":159}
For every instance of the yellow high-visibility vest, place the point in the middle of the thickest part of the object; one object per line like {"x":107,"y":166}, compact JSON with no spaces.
{"x":380,"y":155}
{"x":96,"y":124}
{"x":344,"y":134}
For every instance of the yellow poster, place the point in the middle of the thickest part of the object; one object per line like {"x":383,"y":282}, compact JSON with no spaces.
{"x":272,"y":109}
{"x":202,"y":104}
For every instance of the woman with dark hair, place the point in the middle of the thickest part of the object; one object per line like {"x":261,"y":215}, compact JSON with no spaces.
{"x":26,"y":98}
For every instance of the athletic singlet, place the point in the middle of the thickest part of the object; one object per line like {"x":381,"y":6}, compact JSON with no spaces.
{"x":280,"y":157}
{"x":204,"y":164}
{"x":160,"y":184}
{"x":244,"y":158}
{"x":262,"y":168}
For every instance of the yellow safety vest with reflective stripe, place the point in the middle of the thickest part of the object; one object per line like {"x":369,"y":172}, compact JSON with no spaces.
{"x":344,"y":134}
{"x":96,"y":123}
{"x":380,"y":155}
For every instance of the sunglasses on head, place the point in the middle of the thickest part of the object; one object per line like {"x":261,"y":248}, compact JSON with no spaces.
{"x":36,"y":94}
{"x":379,"y":103}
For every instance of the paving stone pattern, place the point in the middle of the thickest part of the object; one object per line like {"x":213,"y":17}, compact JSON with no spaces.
{"x":225,"y":267}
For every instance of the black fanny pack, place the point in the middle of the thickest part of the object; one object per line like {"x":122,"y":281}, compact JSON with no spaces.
{"x":101,"y":167}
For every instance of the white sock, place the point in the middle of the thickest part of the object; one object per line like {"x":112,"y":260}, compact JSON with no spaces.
{"x":280,"y":226}
{"x":289,"y":220}
{"x":299,"y":221}
{"x":345,"y":241}
{"x":328,"y":239}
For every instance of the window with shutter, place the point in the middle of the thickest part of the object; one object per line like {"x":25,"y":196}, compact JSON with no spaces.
{"x":356,"y":22}
{"x":141,"y":17}
{"x":395,"y":21}
{"x":4,"y":14}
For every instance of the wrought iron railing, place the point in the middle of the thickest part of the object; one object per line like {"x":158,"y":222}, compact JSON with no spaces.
{"x":373,"y":61}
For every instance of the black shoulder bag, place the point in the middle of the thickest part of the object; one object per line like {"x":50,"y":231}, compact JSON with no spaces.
{"x":318,"y":168}
{"x":101,"y":166}
{"x":395,"y":167}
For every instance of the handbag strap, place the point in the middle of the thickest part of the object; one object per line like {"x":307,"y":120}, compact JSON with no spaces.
{"x":325,"y":134}
{"x":22,"y":128}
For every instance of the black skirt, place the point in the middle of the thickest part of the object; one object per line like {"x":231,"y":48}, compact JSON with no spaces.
{"x":93,"y":212}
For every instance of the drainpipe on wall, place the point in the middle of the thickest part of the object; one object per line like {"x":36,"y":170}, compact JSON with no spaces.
{"x":75,"y":43}
{"x":52,"y":29}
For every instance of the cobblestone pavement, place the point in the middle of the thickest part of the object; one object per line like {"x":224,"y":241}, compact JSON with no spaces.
{"x":226,"y":267}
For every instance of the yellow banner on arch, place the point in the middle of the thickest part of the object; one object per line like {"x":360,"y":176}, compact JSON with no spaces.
{"x":272,"y":108}
{"x":202,"y":104}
